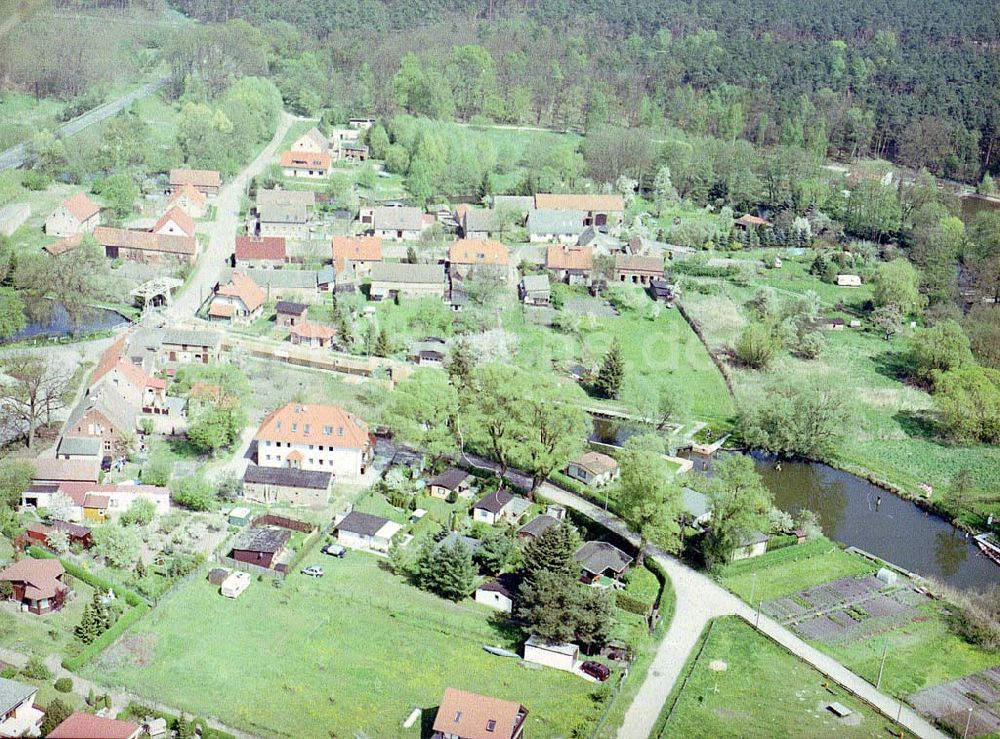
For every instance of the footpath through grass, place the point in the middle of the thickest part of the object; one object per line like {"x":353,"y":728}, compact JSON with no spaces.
{"x":354,"y":651}
{"x":743,"y":684}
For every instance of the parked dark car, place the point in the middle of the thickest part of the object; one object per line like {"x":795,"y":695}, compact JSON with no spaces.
{"x":106,"y":464}
{"x":596,"y":670}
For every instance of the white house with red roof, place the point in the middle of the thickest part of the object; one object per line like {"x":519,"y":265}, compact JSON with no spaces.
{"x":322,"y":438}
{"x":190,"y":199}
{"x":175,"y":222}
{"x":80,"y":725}
{"x":76,"y":215}
{"x":95,"y":503}
{"x":241,"y":300}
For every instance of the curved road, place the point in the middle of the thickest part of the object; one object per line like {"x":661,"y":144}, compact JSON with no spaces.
{"x":13,"y":157}
{"x":699,"y":599}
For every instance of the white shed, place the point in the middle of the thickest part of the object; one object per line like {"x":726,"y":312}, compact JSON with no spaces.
{"x":559,"y":656}
{"x":848,"y":281}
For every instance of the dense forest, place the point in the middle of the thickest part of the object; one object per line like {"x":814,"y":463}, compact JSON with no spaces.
{"x":915,"y":82}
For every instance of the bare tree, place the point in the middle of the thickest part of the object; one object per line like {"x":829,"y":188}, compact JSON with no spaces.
{"x":30,"y":391}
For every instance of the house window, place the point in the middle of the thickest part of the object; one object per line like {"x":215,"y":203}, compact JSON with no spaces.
{"x":340,"y":431}
{"x":306,"y":428}
{"x":277,"y":425}
{"x":491,"y":725}
{"x":295,"y":427}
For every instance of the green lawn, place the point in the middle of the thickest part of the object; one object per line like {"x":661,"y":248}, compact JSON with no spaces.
{"x":785,"y":571}
{"x":892,"y":438}
{"x":764,"y":690}
{"x":21,"y":115}
{"x":51,"y":633}
{"x":354,"y":651}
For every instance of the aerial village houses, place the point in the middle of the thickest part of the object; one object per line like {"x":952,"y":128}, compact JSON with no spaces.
{"x":136,"y":386}
{"x":175,"y":222}
{"x":367,"y":532}
{"x":323,"y":438}
{"x":265,"y":252}
{"x":534,"y":290}
{"x":638,"y":269}
{"x":205,"y":181}
{"x":289,"y":313}
{"x":188,"y":346}
{"x":81,"y":725}
{"x":97,"y":503}
{"x":75,"y":533}
{"x":285,"y":220}
{"x":500,"y":592}
{"x":593,"y":469}
{"x":395,"y":223}
{"x":500,"y":506}
{"x":79,"y":447}
{"x":358,"y":252}
{"x":464,"y":715}
{"x":312,"y":335}
{"x":76,"y":215}
{"x":240,"y":300}
{"x":350,"y":151}
{"x":189,"y":199}
{"x":603,"y":212}
{"x":300,"y":285}
{"x":19,"y":715}
{"x":146,"y":247}
{"x":599,"y":559}
{"x":480,"y":223}
{"x":402,"y":280}
{"x":311,"y":141}
{"x":103,"y":415}
{"x":51,"y":471}
{"x":310,"y":165}
{"x":452,"y":480}
{"x":748,"y":222}
{"x":561,"y":226}
{"x":36,"y":584}
{"x":261,"y":547}
{"x":468,"y":255}
{"x":573,"y":265}
{"x":269,"y":485}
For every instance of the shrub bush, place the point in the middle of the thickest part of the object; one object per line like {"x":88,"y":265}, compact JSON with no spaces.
{"x":36,"y":669}
{"x":632,"y":604}
{"x":64,"y":685}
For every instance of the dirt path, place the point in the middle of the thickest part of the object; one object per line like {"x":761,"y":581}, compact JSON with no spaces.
{"x":699,"y":599}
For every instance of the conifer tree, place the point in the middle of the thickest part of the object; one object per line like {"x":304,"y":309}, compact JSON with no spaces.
{"x":612,"y":372}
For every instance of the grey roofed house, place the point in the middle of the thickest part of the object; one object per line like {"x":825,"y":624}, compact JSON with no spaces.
{"x":287,"y":477}
{"x":283,"y":213}
{"x":289,"y":308}
{"x":597,"y":557}
{"x":317,"y":137}
{"x":756,"y":537}
{"x":538,"y":525}
{"x":695,"y":504}
{"x":263,"y":540}
{"x":523,"y":204}
{"x":326,"y":276}
{"x":494,"y":502}
{"x":423,"y":274}
{"x":599,"y":241}
{"x":454,"y":537}
{"x":80,"y":446}
{"x":450,"y":479}
{"x":105,"y":398}
{"x":364,"y":524}
{"x":13,"y":694}
{"x":547,"y":222}
{"x":480,"y":219}
{"x":191,"y":337}
{"x":276,"y":278}
{"x":400,"y":218}
{"x":536,"y":286}
{"x":305,"y":198}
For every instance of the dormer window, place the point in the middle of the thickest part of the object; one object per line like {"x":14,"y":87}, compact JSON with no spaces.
{"x":491,"y":725}
{"x":458,"y":716}
{"x":277,"y":425}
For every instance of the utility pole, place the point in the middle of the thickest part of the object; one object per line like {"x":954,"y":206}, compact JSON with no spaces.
{"x":885,"y":650}
{"x":968,"y":721}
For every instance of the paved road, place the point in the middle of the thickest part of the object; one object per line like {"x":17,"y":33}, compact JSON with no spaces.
{"x":14,"y":157}
{"x":222,"y":231}
{"x":699,"y":599}
{"x":119,"y":698}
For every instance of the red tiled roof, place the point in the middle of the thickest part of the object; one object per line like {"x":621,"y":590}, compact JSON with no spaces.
{"x":562,"y":257}
{"x":309,"y":330}
{"x":195,"y":177}
{"x":602,"y":203}
{"x":190,"y":192}
{"x":303,"y":424}
{"x":179,"y":216}
{"x":267,"y":247}
{"x":220,"y":310}
{"x":63,"y":245}
{"x":242,"y":287}
{"x":305,"y":159}
{"x":81,"y":725}
{"x":355,"y":249}
{"x":474,"y":716}
{"x":478,"y":251}
{"x":113,"y":358}
{"x":81,"y":207}
{"x":40,"y":577}
{"x":638,"y":263}
{"x":749,"y":220}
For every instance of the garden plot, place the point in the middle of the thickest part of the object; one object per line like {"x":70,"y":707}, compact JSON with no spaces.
{"x":950,"y":704}
{"x":847,"y":609}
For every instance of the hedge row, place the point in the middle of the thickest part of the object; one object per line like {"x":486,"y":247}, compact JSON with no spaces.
{"x":105,"y":640}
{"x":94,"y":581}
{"x":632,"y":604}
{"x":140,"y":712}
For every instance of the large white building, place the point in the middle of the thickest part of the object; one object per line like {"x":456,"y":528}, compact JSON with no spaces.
{"x":322,"y":438}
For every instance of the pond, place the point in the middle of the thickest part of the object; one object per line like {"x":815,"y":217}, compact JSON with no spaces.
{"x":857,"y":513}
{"x":58,"y":324}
